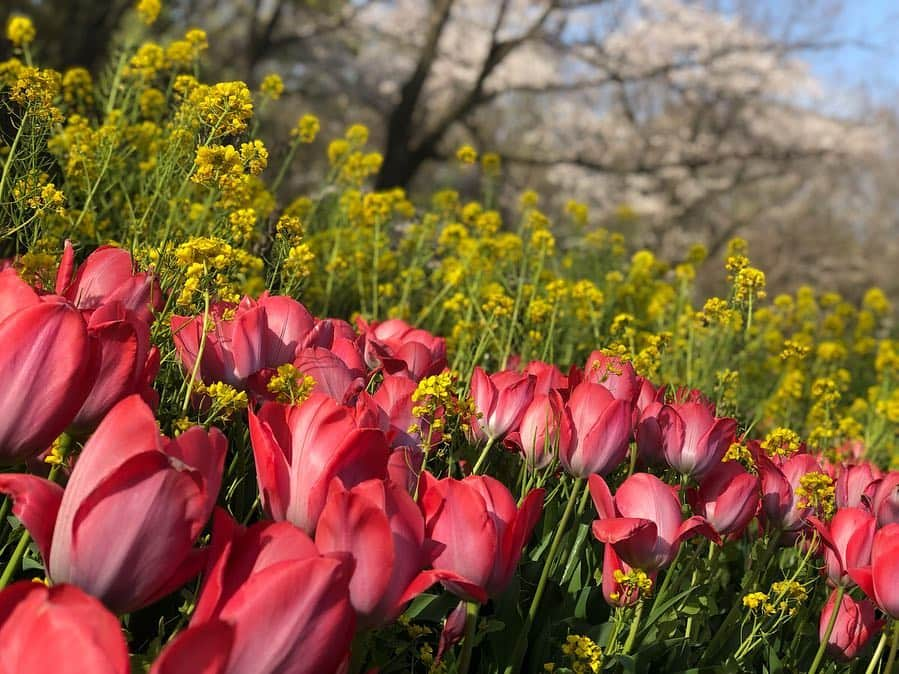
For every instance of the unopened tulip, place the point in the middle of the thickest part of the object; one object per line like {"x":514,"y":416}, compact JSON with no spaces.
{"x":878,"y":580}
{"x":617,"y":375}
{"x":541,"y":431}
{"x":500,"y":400}
{"x":847,"y":541}
{"x":728,"y":497}
{"x":47,"y":366}
{"x":693,"y":440}
{"x":600,"y":431}
{"x":643,"y":522}
{"x":107,"y":275}
{"x":783,"y":508}
{"x":58,"y":629}
{"x":270,"y":604}
{"x":481,"y":528}
{"x":382,"y":528}
{"x":299,"y":449}
{"x":885,"y":499}
{"x":854,"y":626}
{"x":136,"y":502}
{"x":855,"y":485}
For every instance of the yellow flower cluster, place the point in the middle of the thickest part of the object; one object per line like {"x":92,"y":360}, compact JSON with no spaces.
{"x":20,"y":31}
{"x":584,"y":654}
{"x":290,"y":385}
{"x":816,"y":491}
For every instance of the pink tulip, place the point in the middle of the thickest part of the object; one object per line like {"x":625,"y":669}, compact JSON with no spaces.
{"x":47,"y":366}
{"x":600,"y":430}
{"x":855,"y":485}
{"x":728,"y":497}
{"x":383,"y":530}
{"x":780,"y":504}
{"x":500,"y":400}
{"x":549,"y":377}
{"x":693,"y":440}
{"x":855,"y":625}
{"x":58,"y":630}
{"x":300,"y":449}
{"x":136,"y":502}
{"x":401,"y":349}
{"x":847,"y":541}
{"x":541,"y":431}
{"x":107,"y":275}
{"x":643,"y":523}
{"x":878,"y":580}
{"x":270,"y":604}
{"x":885,"y":499}
{"x":128,"y":362}
{"x":331,"y":373}
{"x":648,"y":434}
{"x":482,"y":531}
{"x":393,"y":401}
{"x":261,"y":335}
{"x":617,"y":375}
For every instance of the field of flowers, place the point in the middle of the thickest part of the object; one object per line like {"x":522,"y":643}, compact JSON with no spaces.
{"x":346,"y":432}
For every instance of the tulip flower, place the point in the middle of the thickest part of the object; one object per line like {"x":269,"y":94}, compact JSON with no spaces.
{"x":847,"y":541}
{"x":300,"y":449}
{"x":331,"y":373}
{"x":261,"y":335}
{"x":500,"y":400}
{"x":58,"y":629}
{"x":107,"y":275}
{"x":728,"y":497}
{"x":549,"y":377}
{"x":401,"y":349}
{"x":600,"y":430}
{"x":782,"y":507}
{"x":620,"y":593}
{"x":380,"y":525}
{"x":878,"y":580}
{"x":270,"y":603}
{"x":693,"y":440}
{"x":47,"y":366}
{"x":128,"y":362}
{"x":618,"y":376}
{"x":393,"y":401}
{"x":885,"y":500}
{"x":136,"y":502}
{"x":482,"y":530}
{"x":541,"y":432}
{"x":853,"y":628}
{"x":643,"y":522}
{"x":855,"y":485}
{"x":648,"y":434}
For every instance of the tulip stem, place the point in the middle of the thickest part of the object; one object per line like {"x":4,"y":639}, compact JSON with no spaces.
{"x":483,"y":456}
{"x":830,"y":623}
{"x":632,"y":634}
{"x":471,"y":623}
{"x":521,"y":643}
{"x":893,"y":644}
{"x":196,"y":368}
{"x":13,"y":562}
{"x":875,"y":659}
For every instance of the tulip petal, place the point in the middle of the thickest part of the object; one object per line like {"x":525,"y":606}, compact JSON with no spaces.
{"x":272,"y":469}
{"x":602,"y":497}
{"x":517,"y":536}
{"x":203,"y":649}
{"x":864,"y":578}
{"x":36,"y":503}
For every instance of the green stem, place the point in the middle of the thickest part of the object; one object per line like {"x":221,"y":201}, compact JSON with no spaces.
{"x":891,"y":659}
{"x":7,"y":165}
{"x":875,"y":659}
{"x":632,"y":634}
{"x":200,"y":348}
{"x":521,"y":643}
{"x":483,"y":457}
{"x":13,"y":562}
{"x":830,"y":623}
{"x":471,"y":623}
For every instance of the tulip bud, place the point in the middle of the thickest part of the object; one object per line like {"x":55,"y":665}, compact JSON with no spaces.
{"x":854,"y":626}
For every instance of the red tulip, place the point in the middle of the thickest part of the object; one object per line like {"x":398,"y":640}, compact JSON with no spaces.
{"x":331,"y":373}
{"x":482,"y":531}
{"x":541,"y":431}
{"x":393,"y":401}
{"x":847,"y":541}
{"x":107,"y":275}
{"x":47,"y":366}
{"x":500,"y":399}
{"x":549,"y":377}
{"x":125,"y":527}
{"x":270,"y":604}
{"x":299,"y":449}
{"x":878,"y":580}
{"x":728,"y":497}
{"x":643,"y":523}
{"x":128,"y":362}
{"x":779,"y":483}
{"x":617,"y":375}
{"x":648,"y":434}
{"x":855,"y":485}
{"x":261,"y":335}
{"x":401,"y":349}
{"x":58,"y":629}
{"x":693,"y":440}
{"x":600,"y":430}
{"x":885,"y":500}
{"x":853,"y":629}
{"x":380,"y":525}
